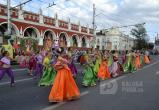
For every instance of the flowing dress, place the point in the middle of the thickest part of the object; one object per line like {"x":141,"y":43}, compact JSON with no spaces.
{"x":97,"y":65}
{"x":89,"y":78}
{"x":138,"y":65}
{"x":146,"y":59}
{"x":129,"y":66}
{"x":49,"y":73}
{"x":116,"y":68}
{"x":104,"y":70}
{"x":64,"y":87}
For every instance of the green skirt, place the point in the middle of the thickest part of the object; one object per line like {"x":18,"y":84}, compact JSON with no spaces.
{"x":129,"y":67}
{"x":96,"y":66}
{"x":89,"y":78}
{"x":48,"y":77}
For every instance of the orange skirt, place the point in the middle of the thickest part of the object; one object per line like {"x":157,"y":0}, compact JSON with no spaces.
{"x":64,"y":87}
{"x":138,"y":63}
{"x":146,"y":59}
{"x":103,"y":72}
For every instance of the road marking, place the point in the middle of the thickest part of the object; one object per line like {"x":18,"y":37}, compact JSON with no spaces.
{"x":4,"y":83}
{"x":62,"y":103}
{"x":157,"y":73}
{"x":21,"y":80}
{"x":147,"y":66}
{"x":19,"y":69}
{"x":116,"y":79}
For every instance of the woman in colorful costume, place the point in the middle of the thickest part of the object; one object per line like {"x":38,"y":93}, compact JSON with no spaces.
{"x":49,"y":73}
{"x":89,"y":78}
{"x":146,"y":58}
{"x":138,"y":65}
{"x":116,"y":68}
{"x":39,"y":65}
{"x":64,"y":87}
{"x":129,"y":66}
{"x":97,"y":62}
{"x":71,"y":64}
{"x":103,"y":72}
{"x":6,"y":67}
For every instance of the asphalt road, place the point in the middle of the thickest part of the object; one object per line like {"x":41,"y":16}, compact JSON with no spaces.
{"x":134,"y":91}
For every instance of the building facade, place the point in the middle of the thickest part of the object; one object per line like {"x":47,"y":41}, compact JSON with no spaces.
{"x":35,"y":25}
{"x":113,"y":39}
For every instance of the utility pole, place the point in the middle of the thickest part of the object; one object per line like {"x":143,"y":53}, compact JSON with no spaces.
{"x":94,"y":12}
{"x":8,"y":18}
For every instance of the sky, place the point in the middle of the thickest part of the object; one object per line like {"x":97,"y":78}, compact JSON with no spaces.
{"x":108,"y":12}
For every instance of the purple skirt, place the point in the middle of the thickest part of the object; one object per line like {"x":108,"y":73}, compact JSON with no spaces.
{"x":73,"y":69}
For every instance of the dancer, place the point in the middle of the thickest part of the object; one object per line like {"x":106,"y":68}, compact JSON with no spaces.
{"x":6,"y":67}
{"x":146,"y":58}
{"x":71,"y":64}
{"x":32,"y":64}
{"x":104,"y":70}
{"x":39,"y":66}
{"x":97,"y":62}
{"x":116,"y":68}
{"x":138,"y":65}
{"x":89,"y":78}
{"x":22,"y":60}
{"x":49,"y":73}
{"x":64,"y":87}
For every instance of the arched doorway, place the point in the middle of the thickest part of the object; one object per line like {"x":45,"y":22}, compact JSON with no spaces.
{"x":83,"y":42}
{"x":31,"y":35}
{"x":74,"y":41}
{"x":31,"y":32}
{"x":3,"y":31}
{"x":63,"y":40}
{"x":49,"y":37}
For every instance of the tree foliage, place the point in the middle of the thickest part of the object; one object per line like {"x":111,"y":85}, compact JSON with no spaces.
{"x":141,"y":36}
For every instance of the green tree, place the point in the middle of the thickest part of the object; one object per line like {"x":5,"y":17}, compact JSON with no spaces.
{"x":141,"y":37}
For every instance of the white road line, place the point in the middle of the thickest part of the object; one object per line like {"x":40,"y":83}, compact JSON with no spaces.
{"x":19,"y":69}
{"x":116,"y":79}
{"x":21,"y":80}
{"x":62,"y":103}
{"x":147,"y":66}
{"x":157,"y":73}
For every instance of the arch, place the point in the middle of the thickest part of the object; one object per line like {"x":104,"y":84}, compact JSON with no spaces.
{"x":85,"y":41}
{"x":14,"y":28}
{"x":48,"y":32}
{"x":48,"y":39}
{"x":31,"y":32}
{"x":75,"y":40}
{"x":63,"y":39}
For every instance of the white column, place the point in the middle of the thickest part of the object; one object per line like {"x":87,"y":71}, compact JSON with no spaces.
{"x":68,"y":42}
{"x":87,"y":28}
{"x":87,"y":43}
{"x":79,"y":42}
{"x":69,"y":24}
{"x":56,"y":20}
{"x":79,"y":24}
{"x":41,"y":17}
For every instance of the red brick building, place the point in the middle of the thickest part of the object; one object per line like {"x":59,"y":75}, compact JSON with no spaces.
{"x":28,"y":24}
